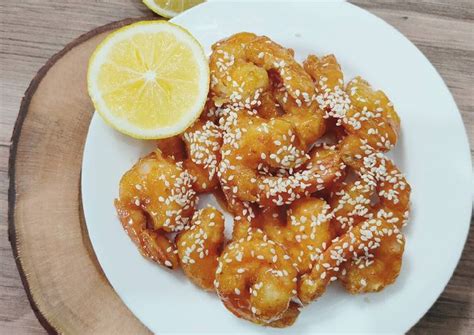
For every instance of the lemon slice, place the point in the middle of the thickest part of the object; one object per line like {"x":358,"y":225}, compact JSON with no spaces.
{"x":170,"y":8}
{"x":149,"y":79}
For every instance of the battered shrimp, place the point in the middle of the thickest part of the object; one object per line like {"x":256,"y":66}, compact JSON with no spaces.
{"x":376,"y":170}
{"x":361,"y":241}
{"x":152,"y":244}
{"x":292,"y":87}
{"x":369,"y":271}
{"x":371,"y":116}
{"x":200,"y":245}
{"x":254,"y":147}
{"x":203,"y":142}
{"x":329,"y":83}
{"x":198,"y":148}
{"x":373,"y":271}
{"x":360,"y":110}
{"x":271,"y":56}
{"x":304,"y":230}
{"x":256,"y":281}
{"x":232,"y":76}
{"x":155,"y":197}
{"x":351,"y":203}
{"x":245,"y":66}
{"x":326,"y":73}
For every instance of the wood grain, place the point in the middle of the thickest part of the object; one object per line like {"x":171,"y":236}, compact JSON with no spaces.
{"x":53,"y":252}
{"x":32,"y":31}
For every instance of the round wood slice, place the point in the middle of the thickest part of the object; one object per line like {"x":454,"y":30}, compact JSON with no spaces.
{"x":61,"y":275}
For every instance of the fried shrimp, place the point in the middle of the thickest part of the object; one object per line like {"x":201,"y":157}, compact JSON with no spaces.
{"x":327,"y":75}
{"x":254,"y":146}
{"x":371,"y":116}
{"x":257,"y":66}
{"x":233,"y":77}
{"x":371,"y":272}
{"x":359,"y":242}
{"x":329,"y":84}
{"x":264,"y":159}
{"x":256,"y":280}
{"x":200,"y":245}
{"x":360,"y":110}
{"x":351,"y":203}
{"x":377,"y":171}
{"x":292,"y":88}
{"x":304,"y":230}
{"x":198,"y":148}
{"x":155,"y":197}
{"x":152,"y":244}
{"x":203,"y":142}
{"x":271,"y":56}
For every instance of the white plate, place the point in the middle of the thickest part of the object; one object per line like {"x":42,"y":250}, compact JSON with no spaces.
{"x":433,"y":152}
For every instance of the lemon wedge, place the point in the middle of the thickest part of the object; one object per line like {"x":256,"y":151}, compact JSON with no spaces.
{"x":170,"y":8}
{"x":149,"y":80}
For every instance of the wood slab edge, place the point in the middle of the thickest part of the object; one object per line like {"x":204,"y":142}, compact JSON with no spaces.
{"x":24,"y":107}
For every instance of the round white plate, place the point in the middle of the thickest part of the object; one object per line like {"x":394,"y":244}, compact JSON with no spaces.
{"x":433,"y":152}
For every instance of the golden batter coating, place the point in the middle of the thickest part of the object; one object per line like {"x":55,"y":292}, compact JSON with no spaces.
{"x":376,"y":169}
{"x":373,"y":271}
{"x":200,"y":245}
{"x":359,"y":109}
{"x":360,"y":241}
{"x":256,"y":280}
{"x":304,"y":230}
{"x":203,"y":142}
{"x":371,"y":116}
{"x":254,"y":148}
{"x":329,"y":83}
{"x":198,"y":148}
{"x":352,"y":203}
{"x":232,"y":75}
{"x":155,"y":197}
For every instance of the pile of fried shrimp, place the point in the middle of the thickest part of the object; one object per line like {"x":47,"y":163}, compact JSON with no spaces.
{"x":298,"y":156}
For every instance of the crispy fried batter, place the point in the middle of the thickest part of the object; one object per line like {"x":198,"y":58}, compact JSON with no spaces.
{"x":371,"y":116}
{"x":360,"y":110}
{"x":304,"y":230}
{"x":377,"y":170}
{"x":198,"y":148}
{"x":232,"y":75}
{"x":254,"y":147}
{"x":203,"y":142}
{"x":374,"y":271}
{"x":156,"y":197}
{"x":200,"y":245}
{"x":360,"y":241}
{"x":256,"y":281}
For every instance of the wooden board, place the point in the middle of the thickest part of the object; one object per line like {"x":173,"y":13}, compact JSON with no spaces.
{"x":63,"y":280}
{"x":31,"y":31}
